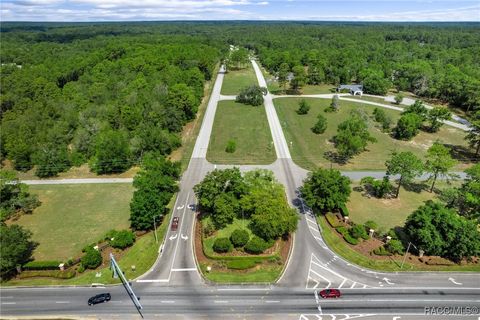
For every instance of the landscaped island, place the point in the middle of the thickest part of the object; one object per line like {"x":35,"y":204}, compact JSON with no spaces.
{"x":244,"y":226}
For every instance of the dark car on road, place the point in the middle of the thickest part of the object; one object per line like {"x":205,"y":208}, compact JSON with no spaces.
{"x":175,"y":224}
{"x":330,"y":293}
{"x":99,"y":298}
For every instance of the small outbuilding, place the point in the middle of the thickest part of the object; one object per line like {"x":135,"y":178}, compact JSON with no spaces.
{"x":354,"y":89}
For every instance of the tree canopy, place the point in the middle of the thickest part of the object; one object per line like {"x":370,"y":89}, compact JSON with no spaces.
{"x":405,"y":164}
{"x":325,"y":190}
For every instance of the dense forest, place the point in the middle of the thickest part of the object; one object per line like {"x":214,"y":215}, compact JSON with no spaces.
{"x":103,"y":94}
{"x":107,"y":93}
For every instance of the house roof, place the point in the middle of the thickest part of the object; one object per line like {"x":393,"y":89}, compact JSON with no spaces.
{"x":353,"y":87}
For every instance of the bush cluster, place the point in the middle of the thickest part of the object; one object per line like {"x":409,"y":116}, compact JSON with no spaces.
{"x":358,"y":231}
{"x":257,"y":245}
{"x":222,"y":245}
{"x":92,"y":258}
{"x":121,"y":239}
{"x":241,"y":264}
{"x":346,"y":235}
{"x":239,"y":237}
{"x":231,"y":146}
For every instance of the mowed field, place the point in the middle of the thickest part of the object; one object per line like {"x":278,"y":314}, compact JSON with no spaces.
{"x":72,"y":216}
{"x":236,"y":80}
{"x":308,"y":149}
{"x":248,"y":127}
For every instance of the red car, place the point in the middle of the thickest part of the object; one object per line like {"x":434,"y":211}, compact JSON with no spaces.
{"x":175,"y":224}
{"x":330,"y":293}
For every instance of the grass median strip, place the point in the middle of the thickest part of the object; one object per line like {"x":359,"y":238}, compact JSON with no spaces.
{"x":236,"y":80}
{"x":248,"y":127}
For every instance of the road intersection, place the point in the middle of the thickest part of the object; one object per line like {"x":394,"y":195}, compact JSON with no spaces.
{"x":173,"y":287}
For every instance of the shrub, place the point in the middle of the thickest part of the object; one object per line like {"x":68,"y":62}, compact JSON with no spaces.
{"x":122,"y":239}
{"x":303,"y":107}
{"x":320,"y":126}
{"x":41,"y":265}
{"x":257,"y":245}
{"x":371,"y":225}
{"x":81,"y":269}
{"x":252,"y":95}
{"x":350,"y":239}
{"x":231,"y":146}
{"x":92,"y":258}
{"x":239,"y":237}
{"x":47,"y":273}
{"x":342,"y":230}
{"x":381,"y":251}
{"x":407,"y":126}
{"x":222,"y":245}
{"x":399,"y":98}
{"x":332,"y":220}
{"x":343,"y":210}
{"x":241,"y":264}
{"x":358,"y":231}
{"x":377,"y":188}
{"x":394,"y":246}
{"x":208,"y":228}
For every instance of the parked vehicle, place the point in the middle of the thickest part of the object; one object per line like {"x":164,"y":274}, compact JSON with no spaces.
{"x":175,"y":224}
{"x":99,"y":298}
{"x":330,"y":293}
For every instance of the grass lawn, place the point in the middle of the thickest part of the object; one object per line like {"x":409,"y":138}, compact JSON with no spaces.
{"x":275,"y":88}
{"x":387,"y":213}
{"x":267,"y":274}
{"x":308,"y":149}
{"x":72,"y":216}
{"x":248,"y":126}
{"x":225,"y":233}
{"x":142,"y":255}
{"x":236,"y":80}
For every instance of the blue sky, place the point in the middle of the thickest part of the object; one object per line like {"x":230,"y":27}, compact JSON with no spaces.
{"x":340,"y":10}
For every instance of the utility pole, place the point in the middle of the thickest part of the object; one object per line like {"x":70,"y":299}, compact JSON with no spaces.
{"x":406,"y":252}
{"x":118,"y":272}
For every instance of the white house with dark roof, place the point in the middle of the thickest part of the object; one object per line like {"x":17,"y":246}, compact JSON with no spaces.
{"x":354,"y":89}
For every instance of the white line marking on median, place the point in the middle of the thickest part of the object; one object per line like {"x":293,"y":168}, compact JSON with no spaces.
{"x":272,"y":301}
{"x":156,"y":280}
{"x":62,"y":301}
{"x":243,"y":289}
{"x":9,"y":303}
{"x":220,"y":301}
{"x":167,"y":301}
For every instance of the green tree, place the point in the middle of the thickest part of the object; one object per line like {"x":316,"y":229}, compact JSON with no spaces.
{"x":16,"y":247}
{"x":470,"y":193}
{"x":382,"y":118}
{"x":14,"y":196}
{"x":405,"y":164}
{"x":440,"y":231}
{"x":252,"y":95}
{"x":299,"y":78}
{"x":239,"y":237}
{"x":473,"y":136}
{"x":182,"y":97}
{"x":374,"y":82}
{"x":321,"y":125}
{"x":399,"y":98}
{"x":239,"y":57}
{"x":51,"y":159}
{"x":283,"y":74}
{"x":155,"y":185}
{"x":435,"y":117}
{"x":334,"y":105}
{"x":417,"y":108}
{"x":439,"y":162}
{"x":408,"y":126}
{"x":325,"y":190}
{"x":352,"y":137}
{"x":112,"y":153}
{"x":303,"y":107}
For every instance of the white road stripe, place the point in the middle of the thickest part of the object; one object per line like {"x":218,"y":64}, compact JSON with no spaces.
{"x":220,"y":301}
{"x":272,"y":301}
{"x":353,"y":285}
{"x":155,"y":280}
{"x":242,"y":289}
{"x":184,"y":269}
{"x":167,"y":301}
{"x":62,"y":301}
{"x":343,"y":282}
{"x":9,"y":303}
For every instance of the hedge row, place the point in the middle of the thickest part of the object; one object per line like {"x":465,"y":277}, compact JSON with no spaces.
{"x":242,"y":264}
{"x":332,"y":220}
{"x":41,"y":265}
{"x":47,"y":273}
{"x":346,"y":235}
